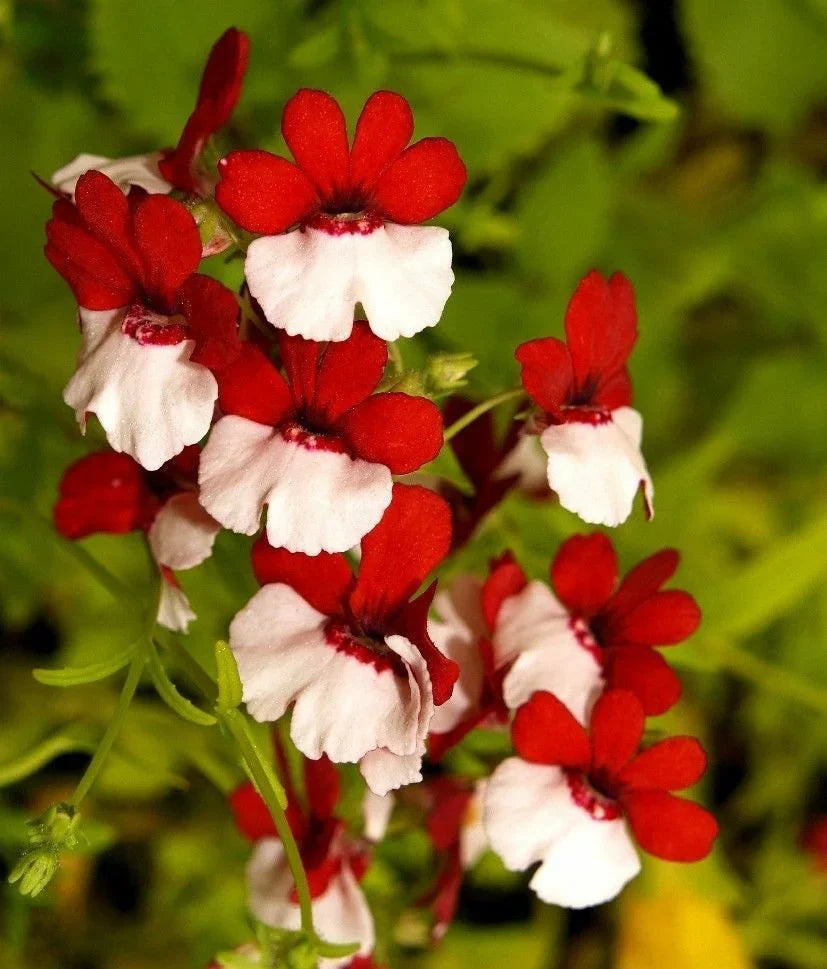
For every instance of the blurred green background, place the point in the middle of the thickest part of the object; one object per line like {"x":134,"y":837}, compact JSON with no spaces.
{"x":707,"y":189}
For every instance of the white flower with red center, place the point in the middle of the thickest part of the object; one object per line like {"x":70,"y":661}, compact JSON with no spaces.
{"x":153,"y":328}
{"x":351,"y":655}
{"x":177,"y":168}
{"x":578,"y":802}
{"x":355,"y":210}
{"x":111,"y":493}
{"x":335,"y":861}
{"x":589,"y":431}
{"x":318,"y":448}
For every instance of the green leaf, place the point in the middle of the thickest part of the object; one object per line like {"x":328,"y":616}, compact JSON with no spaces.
{"x":168,"y":692}
{"x":230,"y":690}
{"x":77,"y":737}
{"x":77,"y":675}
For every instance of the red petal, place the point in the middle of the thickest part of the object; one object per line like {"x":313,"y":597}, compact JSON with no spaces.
{"x":262,"y":192}
{"x":252,"y":817}
{"x":95,"y":276}
{"x":105,"y":212}
{"x":444,"y":821}
{"x":413,"y":537}
{"x":384,"y":128}
{"x":412,"y":622}
{"x":396,"y":430}
{"x":170,"y":246}
{"x":315,"y":131}
{"x":614,"y":392}
{"x":584,"y":573}
{"x":212,"y":312}
{"x":546,"y":372}
{"x":348,"y":372}
{"x":644,"y":580}
{"x":322,"y":580}
{"x":424,"y":180}
{"x":616,"y":729}
{"x":545,"y":732}
{"x":664,"y":619}
{"x":323,"y":786}
{"x":670,"y":765}
{"x":505,"y":579}
{"x":251,"y":387}
{"x":646,"y":673}
{"x":601,"y":329}
{"x":105,"y":492}
{"x":670,"y":827}
{"x":224,"y":73}
{"x":300,"y":358}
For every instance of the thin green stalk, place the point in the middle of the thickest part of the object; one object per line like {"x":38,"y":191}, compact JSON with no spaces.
{"x":481,"y":409}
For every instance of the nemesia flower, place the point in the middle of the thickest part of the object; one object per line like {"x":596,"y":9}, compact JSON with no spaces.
{"x":588,"y":429}
{"x":318,"y":449}
{"x":356,"y":209}
{"x":352,"y":655}
{"x":334,"y":861}
{"x":152,"y":327}
{"x":161,"y":171}
{"x":111,"y":493}
{"x":577,"y":802}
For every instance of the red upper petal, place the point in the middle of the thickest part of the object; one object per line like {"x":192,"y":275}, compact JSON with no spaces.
{"x":300,"y":358}
{"x":663,"y":619}
{"x":614,"y":392}
{"x":601,"y":329}
{"x":96,"y":277}
{"x":105,"y":213}
{"x":322,"y":580}
{"x":322,"y":785}
{"x":670,"y":765}
{"x":584,"y":573}
{"x":411,"y":621}
{"x":103,"y":492}
{"x":670,"y":827}
{"x":348,"y":371}
{"x":251,"y":814}
{"x":644,"y":580}
{"x":384,"y":128}
{"x":212,"y":312}
{"x":412,"y":538}
{"x":170,"y":247}
{"x":505,"y":579}
{"x":616,"y":728}
{"x":262,"y":192}
{"x":424,"y":180}
{"x":545,"y":732}
{"x":316,"y":133}
{"x":252,"y":387}
{"x":646,"y":673}
{"x":546,"y":372}
{"x":396,"y":430}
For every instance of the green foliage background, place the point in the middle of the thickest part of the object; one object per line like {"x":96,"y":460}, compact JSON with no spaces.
{"x":713,"y":204}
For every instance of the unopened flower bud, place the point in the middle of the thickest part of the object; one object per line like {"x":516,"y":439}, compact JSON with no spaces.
{"x":446,"y":372}
{"x":35,"y":870}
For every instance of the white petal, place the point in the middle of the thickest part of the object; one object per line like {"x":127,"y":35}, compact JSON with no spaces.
{"x":318,"y":500}
{"x":340,"y":914}
{"x":174,"y":610}
{"x":343,"y":707}
{"x":530,"y":816}
{"x":473,"y":841}
{"x":151,"y":400}
{"x":183,"y":534}
{"x":140,"y":170}
{"x":376,"y":813}
{"x":526,"y":620}
{"x":526,"y":460}
{"x":457,"y":633}
{"x":597,"y":469}
{"x":308,"y":282}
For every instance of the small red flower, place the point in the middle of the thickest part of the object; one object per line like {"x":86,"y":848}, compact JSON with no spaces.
{"x":624,"y":621}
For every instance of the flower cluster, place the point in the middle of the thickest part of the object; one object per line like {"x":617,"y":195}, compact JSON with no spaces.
{"x":222,"y":409}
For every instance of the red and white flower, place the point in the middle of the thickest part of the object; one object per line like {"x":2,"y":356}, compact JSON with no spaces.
{"x":335,"y":862}
{"x":110,"y":493}
{"x":152,"y":327}
{"x":177,"y":168}
{"x":318,"y":449}
{"x":351,"y":655}
{"x":356,"y":209}
{"x":588,"y":429}
{"x":577,"y":802}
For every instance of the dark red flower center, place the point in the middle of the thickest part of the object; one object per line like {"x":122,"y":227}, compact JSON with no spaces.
{"x":593,"y":794}
{"x":369,"y":649}
{"x":586,"y":635}
{"x":312,"y":439}
{"x":356,"y":221}
{"x":580,"y":414}
{"x":147,"y":327}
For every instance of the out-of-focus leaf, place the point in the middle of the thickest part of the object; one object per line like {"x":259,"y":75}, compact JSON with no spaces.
{"x":78,"y":737}
{"x":76,"y":675}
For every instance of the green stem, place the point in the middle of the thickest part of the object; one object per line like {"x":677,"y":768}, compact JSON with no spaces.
{"x":481,"y":409}
{"x":133,"y":678}
{"x":237,"y":726}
